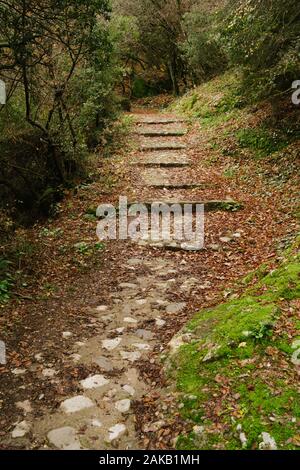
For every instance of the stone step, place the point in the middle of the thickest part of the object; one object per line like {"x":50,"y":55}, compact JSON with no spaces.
{"x":162,"y":146}
{"x":172,"y":245}
{"x":152,"y":163}
{"x":161,"y":133}
{"x":174,"y":186}
{"x":209,"y":206}
{"x":163,"y":159}
{"x":158,"y":120}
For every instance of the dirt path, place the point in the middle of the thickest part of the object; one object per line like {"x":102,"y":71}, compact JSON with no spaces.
{"x":112,"y":353}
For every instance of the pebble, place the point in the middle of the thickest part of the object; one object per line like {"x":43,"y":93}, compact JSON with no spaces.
{"x":96,"y":423}
{"x":130,"y":356}
{"x":142,"y":347}
{"x":75,"y":404}
{"x":130,"y":390}
{"x":130,"y":320}
{"x":102,"y":308}
{"x":116,"y":432}
{"x":20,"y":430}
{"x":198,"y":429}
{"x":127,"y":285}
{"x":76,"y":357}
{"x":144,"y":334}
{"x":243,"y":439}
{"x":64,"y":438}
{"x":67,"y":334}
{"x":104,"y":363}
{"x":123,"y":405}
{"x":18,"y":371}
{"x":141,"y":301}
{"x":175,"y":308}
{"x":111,"y":344}
{"x":95,"y":381}
{"x":268,"y":442}
{"x":154,"y":427}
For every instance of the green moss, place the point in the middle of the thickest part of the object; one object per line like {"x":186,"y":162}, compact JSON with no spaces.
{"x":230,"y":344}
{"x":262,"y":141}
{"x":210,"y":107}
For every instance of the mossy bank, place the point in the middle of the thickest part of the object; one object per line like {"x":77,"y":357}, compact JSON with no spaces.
{"x":236,"y":370}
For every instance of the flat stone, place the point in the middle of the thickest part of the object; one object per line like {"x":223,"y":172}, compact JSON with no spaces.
{"x":20,"y":430}
{"x":225,"y":239}
{"x":123,"y":405}
{"x":196,"y":246}
{"x":163,"y":160}
{"x":96,"y":423}
{"x":177,"y":186}
{"x":67,"y":334}
{"x":129,"y":389}
{"x":101,"y":308}
{"x":104,"y":363}
{"x":142,"y":346}
{"x":131,"y":320}
{"x":116,"y":432}
{"x":163,"y":146}
{"x":158,"y":120}
{"x":127,"y":285}
{"x":130,"y":356}
{"x":18,"y":371}
{"x":146,"y":132}
{"x":76,"y":357}
{"x":209,"y":206}
{"x":159,"y":322}
{"x":64,"y":439}
{"x":75,"y":404}
{"x":111,"y":344}
{"x":94,"y":381}
{"x":24,"y":406}
{"x":134,"y":261}
{"x":144,"y":334}
{"x":120,"y":330}
{"x":268,"y":442}
{"x":175,"y":308}
{"x":141,"y":302}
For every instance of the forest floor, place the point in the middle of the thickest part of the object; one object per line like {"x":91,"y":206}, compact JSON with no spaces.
{"x":87,"y":332}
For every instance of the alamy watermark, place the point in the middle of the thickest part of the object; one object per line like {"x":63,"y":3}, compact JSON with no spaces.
{"x":2,"y":353}
{"x":296,"y":354}
{"x":296,"y":94}
{"x":2,"y":92}
{"x":157,"y":221}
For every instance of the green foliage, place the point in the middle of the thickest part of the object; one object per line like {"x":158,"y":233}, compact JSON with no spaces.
{"x":264,"y":37}
{"x":202,"y":50}
{"x":262,"y":141}
{"x":60,"y":95}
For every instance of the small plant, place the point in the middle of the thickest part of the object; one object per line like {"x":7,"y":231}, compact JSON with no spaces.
{"x":86,"y":249}
{"x":6,"y":281}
